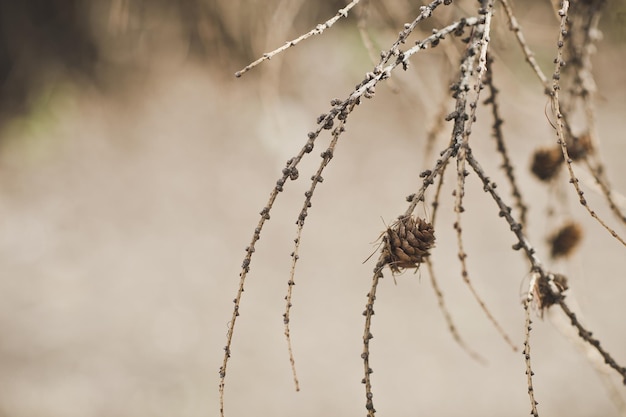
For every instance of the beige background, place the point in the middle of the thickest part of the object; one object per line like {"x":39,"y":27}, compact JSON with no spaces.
{"x":124,"y":218}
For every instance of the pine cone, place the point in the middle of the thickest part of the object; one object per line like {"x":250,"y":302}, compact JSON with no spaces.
{"x":565,"y":240}
{"x":546,"y":163}
{"x":407,"y":242}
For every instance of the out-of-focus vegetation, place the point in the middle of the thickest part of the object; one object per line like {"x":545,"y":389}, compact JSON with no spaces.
{"x":107,"y":43}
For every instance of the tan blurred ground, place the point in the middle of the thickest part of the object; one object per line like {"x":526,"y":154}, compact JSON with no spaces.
{"x":124,"y":218}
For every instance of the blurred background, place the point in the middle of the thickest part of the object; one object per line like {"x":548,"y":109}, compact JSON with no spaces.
{"x":133,"y":166}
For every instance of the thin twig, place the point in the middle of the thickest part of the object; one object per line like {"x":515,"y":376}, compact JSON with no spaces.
{"x":586,"y":335}
{"x":340,"y":109}
{"x":559,"y":62}
{"x":317,"y":178}
{"x":367,"y":336}
{"x":435,"y":129}
{"x":428,"y":176}
{"x":540,"y":277}
{"x":425,"y":12}
{"x":528,"y":54}
{"x":536,"y":266}
{"x":290,"y":172}
{"x":448,"y":317}
{"x":505,"y":211}
{"x":615,"y":200}
{"x":245,"y":268}
{"x":587,"y":86}
{"x":361,"y":25}
{"x":318,"y":30}
{"x":433,"y":280}
{"x":480,"y":42}
{"x":507,"y":164}
{"x":526,"y":352}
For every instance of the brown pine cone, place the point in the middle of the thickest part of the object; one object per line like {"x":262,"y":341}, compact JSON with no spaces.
{"x":546,"y":163}
{"x":407,"y":243}
{"x":565,"y":240}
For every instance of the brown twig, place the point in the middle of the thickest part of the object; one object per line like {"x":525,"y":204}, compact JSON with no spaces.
{"x":560,"y":124}
{"x":317,"y":178}
{"x":318,"y":30}
{"x":526,"y":353}
{"x":498,"y":135}
{"x":367,"y":336}
{"x":529,"y":55}
{"x":586,"y":335}
{"x":448,"y":317}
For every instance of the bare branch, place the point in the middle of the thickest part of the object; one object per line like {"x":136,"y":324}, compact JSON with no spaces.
{"x":318,"y":30}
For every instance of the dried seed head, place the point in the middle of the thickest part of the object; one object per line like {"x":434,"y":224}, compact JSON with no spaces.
{"x":565,"y":240}
{"x":407,"y":243}
{"x":546,"y":163}
{"x":549,"y":290}
{"x":579,"y":146}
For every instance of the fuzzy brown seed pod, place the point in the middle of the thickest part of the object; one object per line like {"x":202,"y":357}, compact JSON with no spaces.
{"x":407,"y":243}
{"x":546,"y":163}
{"x":565,"y":240}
